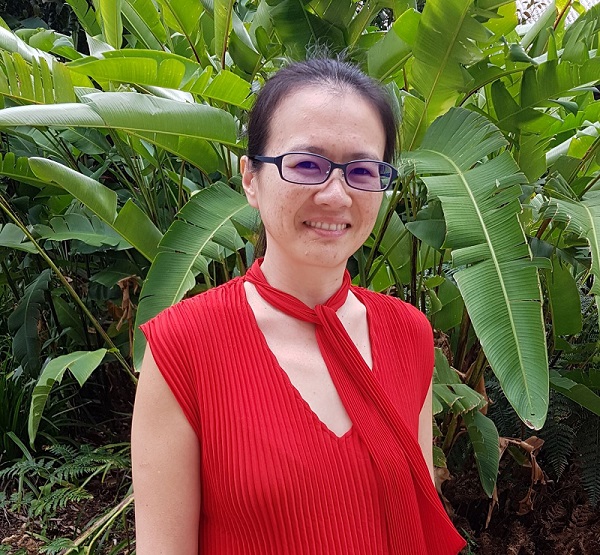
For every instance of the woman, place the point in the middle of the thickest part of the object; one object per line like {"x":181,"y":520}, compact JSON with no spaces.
{"x":285,"y":411}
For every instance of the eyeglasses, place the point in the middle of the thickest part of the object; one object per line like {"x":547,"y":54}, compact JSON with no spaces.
{"x":305,"y":168}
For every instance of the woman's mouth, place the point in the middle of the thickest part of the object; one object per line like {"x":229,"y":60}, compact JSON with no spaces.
{"x":327,"y":226}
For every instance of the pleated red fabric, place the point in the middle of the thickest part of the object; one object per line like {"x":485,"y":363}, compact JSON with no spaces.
{"x":275,"y":479}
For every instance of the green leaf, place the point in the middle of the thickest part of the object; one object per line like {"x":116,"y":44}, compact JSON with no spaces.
{"x":143,"y":20}
{"x":134,"y":225}
{"x":485,"y":441}
{"x":499,"y":282}
{"x":18,"y":169}
{"x":395,"y":245}
{"x":577,"y":392}
{"x":10,"y":42}
{"x":241,"y":48}
{"x":549,"y":81}
{"x":429,"y":226}
{"x":85,"y":16}
{"x":450,"y":391}
{"x":131,"y":223}
{"x":12,"y":237}
{"x":445,"y":41}
{"x":121,"y":269}
{"x":583,"y":219}
{"x":143,"y":67}
{"x":336,"y":12}
{"x":81,"y":364}
{"x":540,"y":28}
{"x":296,"y":27}
{"x":206,"y":221}
{"x":23,"y":323}
{"x":38,"y":82}
{"x":148,"y":115}
{"x":222,"y":15}
{"x":69,"y":319}
{"x":109,"y":12}
{"x":564,"y":300}
{"x":388,"y":56}
{"x":181,"y":128}
{"x":92,"y":231}
{"x":101,"y":200}
{"x":182,"y":16}
{"x":439,"y":459}
{"x":230,"y":88}
{"x":452,"y":309}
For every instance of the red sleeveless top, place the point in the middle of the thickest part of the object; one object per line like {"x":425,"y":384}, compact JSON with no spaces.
{"x":275,"y":479}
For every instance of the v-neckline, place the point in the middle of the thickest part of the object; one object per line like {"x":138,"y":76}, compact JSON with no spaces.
{"x":284,"y":376}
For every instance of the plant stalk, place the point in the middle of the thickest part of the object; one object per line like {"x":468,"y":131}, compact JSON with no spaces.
{"x":113,"y":348}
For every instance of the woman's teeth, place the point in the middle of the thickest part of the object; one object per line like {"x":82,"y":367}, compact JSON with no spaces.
{"x":326,"y":226}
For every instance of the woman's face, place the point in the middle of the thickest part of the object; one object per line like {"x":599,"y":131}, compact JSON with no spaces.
{"x":318,"y":225}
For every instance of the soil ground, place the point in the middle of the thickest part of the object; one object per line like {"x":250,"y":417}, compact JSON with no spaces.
{"x":561,"y":522}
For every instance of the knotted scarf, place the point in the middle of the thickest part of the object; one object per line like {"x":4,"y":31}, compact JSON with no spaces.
{"x":416,"y":521}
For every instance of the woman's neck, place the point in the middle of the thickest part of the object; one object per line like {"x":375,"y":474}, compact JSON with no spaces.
{"x":312,"y":285}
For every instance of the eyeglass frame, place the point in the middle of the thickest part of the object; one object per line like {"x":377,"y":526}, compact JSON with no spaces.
{"x":277,"y":161}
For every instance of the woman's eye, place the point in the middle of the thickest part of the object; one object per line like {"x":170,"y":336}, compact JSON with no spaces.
{"x":307,"y":165}
{"x":362,"y":171}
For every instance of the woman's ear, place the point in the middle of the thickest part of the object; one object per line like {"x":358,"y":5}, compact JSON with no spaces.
{"x":248,"y":181}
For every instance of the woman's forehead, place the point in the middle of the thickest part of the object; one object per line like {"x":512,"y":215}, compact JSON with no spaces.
{"x":311,"y":118}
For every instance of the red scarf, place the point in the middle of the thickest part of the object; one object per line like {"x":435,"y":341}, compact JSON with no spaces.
{"x":417,"y":523}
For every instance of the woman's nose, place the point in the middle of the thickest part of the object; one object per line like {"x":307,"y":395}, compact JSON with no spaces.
{"x":334,"y":191}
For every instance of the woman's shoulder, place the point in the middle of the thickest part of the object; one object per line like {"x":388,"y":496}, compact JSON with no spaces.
{"x":214,"y":302}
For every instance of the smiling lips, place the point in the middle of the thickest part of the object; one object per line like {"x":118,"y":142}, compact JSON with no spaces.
{"x":327,"y":227}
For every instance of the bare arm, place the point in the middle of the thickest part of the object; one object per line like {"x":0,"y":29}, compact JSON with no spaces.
{"x":166,"y":469}
{"x":426,"y":430}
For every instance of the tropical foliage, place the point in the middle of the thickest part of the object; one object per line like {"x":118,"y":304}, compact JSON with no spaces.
{"x":121,"y":195}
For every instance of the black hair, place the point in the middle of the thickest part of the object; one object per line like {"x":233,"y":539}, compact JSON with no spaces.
{"x":318,"y":72}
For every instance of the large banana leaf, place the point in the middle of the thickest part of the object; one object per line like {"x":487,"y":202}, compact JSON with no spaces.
{"x":131,"y":222}
{"x":86,"y":16}
{"x":223,"y":17}
{"x":578,"y":392}
{"x":91,"y":231}
{"x":109,"y":12}
{"x":81,"y":364}
{"x":18,"y":169}
{"x":182,"y":16}
{"x":583,"y":219}
{"x":178,"y":127}
{"x":445,"y":41}
{"x":143,"y":67}
{"x":450,"y":391}
{"x":12,"y":237}
{"x":23,"y":323}
{"x":539,"y":86}
{"x":484,"y":438}
{"x":38,"y":82}
{"x":296,"y":27}
{"x":204,"y":223}
{"x":143,"y":21}
{"x":498,"y":281}
{"x":388,"y":56}
{"x":10,"y":42}
{"x":564,"y":302}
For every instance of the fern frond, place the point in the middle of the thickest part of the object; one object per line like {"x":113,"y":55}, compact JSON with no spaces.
{"x":59,"y":498}
{"x":67,"y":452}
{"x":57,"y":546}
{"x":588,"y":447}
{"x":500,"y":411}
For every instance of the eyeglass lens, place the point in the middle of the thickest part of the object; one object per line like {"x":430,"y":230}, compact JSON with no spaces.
{"x":310,"y":169}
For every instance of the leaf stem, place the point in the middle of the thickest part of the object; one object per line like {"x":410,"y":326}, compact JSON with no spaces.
{"x":113,"y":348}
